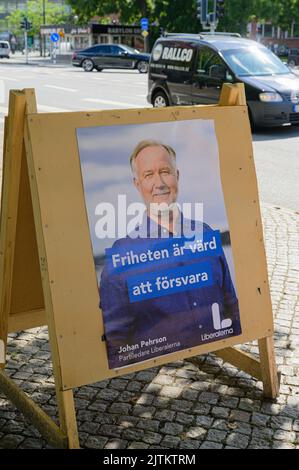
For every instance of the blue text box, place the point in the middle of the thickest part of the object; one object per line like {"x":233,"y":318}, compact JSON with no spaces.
{"x":166,"y":282}
{"x":130,"y":249}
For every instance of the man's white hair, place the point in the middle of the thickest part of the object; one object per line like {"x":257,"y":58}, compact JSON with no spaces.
{"x":150,"y":143}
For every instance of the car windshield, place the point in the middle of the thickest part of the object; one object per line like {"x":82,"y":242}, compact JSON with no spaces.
{"x":130,"y":49}
{"x":254,"y":61}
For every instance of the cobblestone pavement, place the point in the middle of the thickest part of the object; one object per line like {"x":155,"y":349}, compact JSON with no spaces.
{"x":179,"y":405}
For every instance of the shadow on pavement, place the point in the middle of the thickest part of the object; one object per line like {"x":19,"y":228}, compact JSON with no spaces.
{"x":275,"y":133}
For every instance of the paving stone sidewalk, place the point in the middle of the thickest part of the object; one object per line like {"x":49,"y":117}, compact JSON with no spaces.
{"x":179,"y":405}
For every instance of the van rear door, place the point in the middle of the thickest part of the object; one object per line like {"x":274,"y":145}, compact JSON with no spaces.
{"x":172,"y":61}
{"x":180,"y":86}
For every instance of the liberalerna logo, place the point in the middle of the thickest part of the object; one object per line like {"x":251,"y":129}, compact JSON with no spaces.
{"x":222,"y":327}
{"x":217,"y":322}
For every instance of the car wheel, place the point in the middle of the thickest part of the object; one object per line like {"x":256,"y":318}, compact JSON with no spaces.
{"x":99,"y":69}
{"x":292,"y":63}
{"x":88,"y":65}
{"x":160,"y":100}
{"x":142,"y":66}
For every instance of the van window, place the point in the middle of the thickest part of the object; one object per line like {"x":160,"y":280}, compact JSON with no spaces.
{"x":256,"y":60}
{"x":3,"y":45}
{"x":206,"y":60}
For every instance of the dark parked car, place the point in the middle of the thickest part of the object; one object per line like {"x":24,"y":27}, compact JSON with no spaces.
{"x":293,"y":58}
{"x":191,"y":69}
{"x":111,"y":56}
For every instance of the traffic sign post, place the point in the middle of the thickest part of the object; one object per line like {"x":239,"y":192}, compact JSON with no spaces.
{"x":212,"y":18}
{"x":26,"y":25}
{"x":202,"y":12}
{"x":26,"y":46}
{"x":144,"y":24}
{"x":209,"y":19}
{"x":54,"y":38}
{"x":144,"y":32}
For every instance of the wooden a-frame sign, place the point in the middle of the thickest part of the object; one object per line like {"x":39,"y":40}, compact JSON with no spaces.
{"x":47,"y":273}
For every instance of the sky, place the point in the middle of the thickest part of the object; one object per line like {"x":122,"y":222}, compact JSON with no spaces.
{"x":105,"y":151}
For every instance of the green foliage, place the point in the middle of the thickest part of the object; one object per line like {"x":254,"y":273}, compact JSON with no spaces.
{"x":286,"y":12}
{"x":180,"y":15}
{"x":237,"y":15}
{"x":177,"y":16}
{"x":130,"y":10}
{"x":54,"y":14}
{"x":85,"y":9}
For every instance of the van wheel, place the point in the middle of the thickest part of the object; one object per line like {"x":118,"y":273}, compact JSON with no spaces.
{"x":160,"y":100}
{"x":88,"y":65}
{"x":142,"y":66}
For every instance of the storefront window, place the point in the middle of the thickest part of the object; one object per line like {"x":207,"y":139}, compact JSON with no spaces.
{"x":268,"y":31}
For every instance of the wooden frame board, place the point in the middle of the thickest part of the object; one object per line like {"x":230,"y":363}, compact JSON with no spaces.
{"x":43,"y":219}
{"x":64,"y":239}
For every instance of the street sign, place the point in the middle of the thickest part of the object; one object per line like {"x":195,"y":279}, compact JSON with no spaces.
{"x":144,"y":24}
{"x":145,"y":33}
{"x":54,"y":37}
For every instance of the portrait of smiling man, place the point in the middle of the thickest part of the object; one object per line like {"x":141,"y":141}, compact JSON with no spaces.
{"x":139,"y":330}
{"x":156,"y":177}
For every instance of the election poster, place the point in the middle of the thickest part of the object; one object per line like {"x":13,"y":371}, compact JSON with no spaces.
{"x":160,"y":237}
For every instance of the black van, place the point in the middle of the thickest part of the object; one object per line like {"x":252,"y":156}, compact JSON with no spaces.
{"x":190,"y":69}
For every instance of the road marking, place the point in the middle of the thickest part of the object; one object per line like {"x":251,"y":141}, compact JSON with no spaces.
{"x":2,"y":91}
{"x":41,"y":107}
{"x":11,"y":79}
{"x":51,"y":109}
{"x":104,"y":77}
{"x":116,"y":103}
{"x":72,"y":90}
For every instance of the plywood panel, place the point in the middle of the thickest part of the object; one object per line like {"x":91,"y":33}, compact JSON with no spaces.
{"x":65,"y":247}
{"x":26,"y":280}
{"x":26,"y":320}
{"x":13,"y":141}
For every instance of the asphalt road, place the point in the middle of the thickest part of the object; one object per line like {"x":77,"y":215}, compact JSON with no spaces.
{"x":276,"y":151}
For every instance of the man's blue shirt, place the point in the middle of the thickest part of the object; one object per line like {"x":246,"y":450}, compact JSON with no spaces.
{"x":152,"y":327}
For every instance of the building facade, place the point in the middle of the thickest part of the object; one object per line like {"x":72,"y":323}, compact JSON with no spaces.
{"x":273,"y":36}
{"x":9,"y":6}
{"x":75,"y":37}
